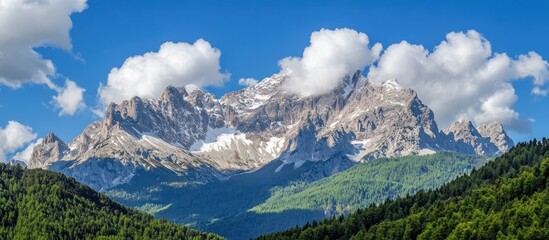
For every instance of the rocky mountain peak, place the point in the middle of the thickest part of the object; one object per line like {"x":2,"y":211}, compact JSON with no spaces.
{"x":50,"y":150}
{"x":15,"y":162}
{"x":111,"y":114}
{"x":486,"y":139}
{"x":51,"y":138}
{"x":392,"y":84}
{"x":173,"y":94}
{"x":193,"y":131}
{"x":462,"y":128}
{"x":349,"y":83}
{"x":492,"y":127}
{"x":497,"y":135}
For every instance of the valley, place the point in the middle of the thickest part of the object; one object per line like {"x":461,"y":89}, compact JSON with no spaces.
{"x":265,"y":161}
{"x":261,"y":202}
{"x":507,"y":198}
{"x":273,"y":120}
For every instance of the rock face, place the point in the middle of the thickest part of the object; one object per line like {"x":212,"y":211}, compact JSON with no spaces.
{"x":487,"y":139}
{"x":15,"y":162}
{"x":497,"y":135}
{"x":195,"y":137}
{"x":51,"y":150}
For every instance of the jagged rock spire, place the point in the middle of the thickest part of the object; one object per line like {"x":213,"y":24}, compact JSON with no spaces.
{"x":50,"y":150}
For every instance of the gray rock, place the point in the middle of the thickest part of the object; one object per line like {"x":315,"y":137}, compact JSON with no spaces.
{"x":488,"y":139}
{"x":50,"y":150}
{"x":497,"y":135}
{"x":15,"y":162}
{"x":200,"y":138}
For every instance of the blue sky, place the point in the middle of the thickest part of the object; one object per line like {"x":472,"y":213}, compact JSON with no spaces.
{"x":254,"y":35}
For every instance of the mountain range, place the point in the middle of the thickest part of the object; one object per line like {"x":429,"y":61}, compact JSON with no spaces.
{"x":188,"y":137}
{"x":212,"y":163}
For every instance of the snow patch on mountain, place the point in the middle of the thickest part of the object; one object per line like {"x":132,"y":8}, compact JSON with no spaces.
{"x":392,"y":84}
{"x":217,"y":138}
{"x":199,"y":138}
{"x":361,"y":148}
{"x":274,"y":145}
{"x":426,"y":151}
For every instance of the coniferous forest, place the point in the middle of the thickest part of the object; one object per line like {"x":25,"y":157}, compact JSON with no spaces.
{"x":372,"y":182}
{"x":39,"y":204}
{"x":506,"y":199}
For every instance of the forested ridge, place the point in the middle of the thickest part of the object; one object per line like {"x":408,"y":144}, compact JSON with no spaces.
{"x":39,"y":204}
{"x":506,"y":199}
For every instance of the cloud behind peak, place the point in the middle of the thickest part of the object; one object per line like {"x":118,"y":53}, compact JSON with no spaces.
{"x":331,"y":55}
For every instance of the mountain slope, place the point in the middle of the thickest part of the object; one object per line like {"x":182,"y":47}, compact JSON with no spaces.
{"x":38,"y":204}
{"x":371,"y":182}
{"x":286,"y":205}
{"x":506,"y":198}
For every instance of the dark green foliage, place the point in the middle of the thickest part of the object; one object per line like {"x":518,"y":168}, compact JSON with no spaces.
{"x":38,"y":204}
{"x":507,"y":198}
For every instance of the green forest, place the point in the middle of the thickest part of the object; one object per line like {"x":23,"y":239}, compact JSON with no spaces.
{"x":38,"y":204}
{"x":371,"y":182}
{"x":506,"y":199}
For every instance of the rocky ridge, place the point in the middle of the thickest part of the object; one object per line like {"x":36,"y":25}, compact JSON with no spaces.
{"x":195,"y":137}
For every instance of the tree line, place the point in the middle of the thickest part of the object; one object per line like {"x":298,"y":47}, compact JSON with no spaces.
{"x":506,"y":199}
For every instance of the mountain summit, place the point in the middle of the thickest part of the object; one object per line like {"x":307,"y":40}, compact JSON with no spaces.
{"x":50,"y":150}
{"x":191,"y":137}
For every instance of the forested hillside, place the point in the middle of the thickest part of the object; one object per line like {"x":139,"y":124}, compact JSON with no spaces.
{"x":38,"y":204}
{"x":371,"y":182}
{"x":261,"y":202}
{"x":507,"y":198}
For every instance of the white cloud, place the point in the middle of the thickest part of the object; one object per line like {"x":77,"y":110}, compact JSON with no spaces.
{"x":247,"y":81}
{"x":70,"y":98}
{"x":14,"y":136}
{"x":540,"y":92}
{"x":462,"y":78}
{"x":26,"y":154}
{"x":532,"y":65}
{"x":25,"y":25}
{"x":177,"y":64}
{"x":331,"y":55}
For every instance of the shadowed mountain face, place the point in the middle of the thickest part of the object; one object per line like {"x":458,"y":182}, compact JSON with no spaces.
{"x":267,"y":200}
{"x":194,"y":138}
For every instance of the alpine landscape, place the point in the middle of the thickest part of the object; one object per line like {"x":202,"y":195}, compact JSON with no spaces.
{"x":351,"y":140}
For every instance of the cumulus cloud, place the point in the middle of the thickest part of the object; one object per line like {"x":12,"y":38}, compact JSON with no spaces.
{"x":247,"y":81}
{"x":25,"y":25}
{"x":177,"y":64}
{"x":70,"y":98}
{"x":462,"y":78}
{"x":26,"y":154}
{"x":540,"y":92}
{"x":14,"y":136}
{"x":331,"y":55}
{"x":533,"y":65}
